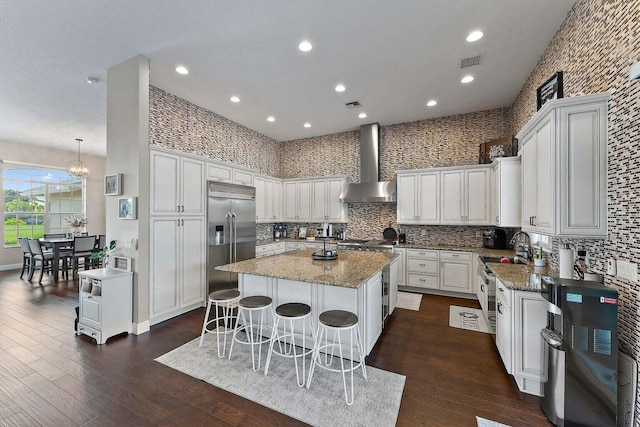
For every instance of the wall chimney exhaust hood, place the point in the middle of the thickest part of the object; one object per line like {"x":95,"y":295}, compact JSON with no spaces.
{"x":370,"y":189}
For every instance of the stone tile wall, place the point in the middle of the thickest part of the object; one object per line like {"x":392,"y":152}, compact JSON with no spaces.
{"x":178,"y":124}
{"x":595,"y":47}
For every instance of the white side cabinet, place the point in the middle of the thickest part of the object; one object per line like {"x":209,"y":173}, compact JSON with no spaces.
{"x":177,"y":266}
{"x":564,"y":168}
{"x":268,"y":199}
{"x":506,"y":191}
{"x":520,"y":316}
{"x":177,"y":184}
{"x":106,"y":303}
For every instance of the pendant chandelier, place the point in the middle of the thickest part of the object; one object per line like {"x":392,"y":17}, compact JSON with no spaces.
{"x":77,"y":167}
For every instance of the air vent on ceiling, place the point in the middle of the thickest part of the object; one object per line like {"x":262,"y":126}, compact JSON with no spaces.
{"x":470,"y":62}
{"x":353,"y":104}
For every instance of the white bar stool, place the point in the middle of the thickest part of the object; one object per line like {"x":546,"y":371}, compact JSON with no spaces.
{"x":254,"y":337}
{"x":227,"y":299}
{"x":337,"y":321}
{"x":288,"y":313}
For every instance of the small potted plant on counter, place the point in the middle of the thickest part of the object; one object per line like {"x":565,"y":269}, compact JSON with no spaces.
{"x":103,"y":254}
{"x":538,"y":258}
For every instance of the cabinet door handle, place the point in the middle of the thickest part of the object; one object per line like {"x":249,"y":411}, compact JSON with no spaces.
{"x":455,"y":255}
{"x":482,"y":287}
{"x":178,"y":208}
{"x":501,"y":290}
{"x":498,"y":307}
{"x":422,"y":280}
{"x":497,"y":220}
{"x":178,"y":222}
{"x":182,"y":222}
{"x":182,"y":208}
{"x":89,"y":297}
{"x":423,"y":265}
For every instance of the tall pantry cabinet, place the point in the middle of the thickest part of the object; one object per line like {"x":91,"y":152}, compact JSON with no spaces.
{"x":177,"y":273}
{"x":564,"y":168}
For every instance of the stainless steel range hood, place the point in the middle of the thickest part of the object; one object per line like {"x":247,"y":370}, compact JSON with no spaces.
{"x":370,"y":189}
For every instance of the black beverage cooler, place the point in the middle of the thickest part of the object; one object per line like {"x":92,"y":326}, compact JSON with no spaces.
{"x":581,"y":346}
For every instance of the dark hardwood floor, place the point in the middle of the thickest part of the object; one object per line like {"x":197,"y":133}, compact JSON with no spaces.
{"x":51,"y":377}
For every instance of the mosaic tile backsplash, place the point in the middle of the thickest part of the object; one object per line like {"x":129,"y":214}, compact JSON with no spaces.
{"x":595,"y":47}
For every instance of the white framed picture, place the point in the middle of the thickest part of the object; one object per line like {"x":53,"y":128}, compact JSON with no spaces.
{"x":127,"y":208}
{"x":113,"y":184}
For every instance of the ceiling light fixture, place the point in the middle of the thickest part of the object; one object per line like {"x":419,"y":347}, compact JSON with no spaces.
{"x":467,"y":79}
{"x":432,"y":103}
{"x":340,"y":88}
{"x":77,"y":167}
{"x":182,"y":70}
{"x":305,"y":46}
{"x":92,"y":80}
{"x":271,"y":119}
{"x":234,"y":99}
{"x":474,"y":36}
{"x":307,"y":125}
{"x":362,"y":115}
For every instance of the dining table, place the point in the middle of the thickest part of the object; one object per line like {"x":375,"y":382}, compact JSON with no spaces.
{"x":56,"y":244}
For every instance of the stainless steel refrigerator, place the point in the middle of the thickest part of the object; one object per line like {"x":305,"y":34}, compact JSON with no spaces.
{"x":231,"y":213}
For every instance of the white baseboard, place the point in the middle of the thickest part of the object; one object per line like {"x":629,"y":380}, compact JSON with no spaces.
{"x":10,"y":267}
{"x":141,"y":328}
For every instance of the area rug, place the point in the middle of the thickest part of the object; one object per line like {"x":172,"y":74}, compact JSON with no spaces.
{"x":408,"y":301}
{"x":377,"y":400}
{"x":469,"y":318}
{"x":482,"y":422}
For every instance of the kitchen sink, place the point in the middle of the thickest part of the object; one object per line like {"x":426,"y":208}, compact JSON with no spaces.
{"x":512,"y":260}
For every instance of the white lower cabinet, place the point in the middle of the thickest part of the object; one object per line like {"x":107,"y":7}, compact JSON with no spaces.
{"x":455,"y":271}
{"x":270,"y":249}
{"x":402,"y":262}
{"x":106,"y":303}
{"x":520,"y":316}
{"x":422,"y":268}
{"x":177,"y":266}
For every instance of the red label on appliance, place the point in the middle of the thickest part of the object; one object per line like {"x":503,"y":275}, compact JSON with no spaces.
{"x":607,"y":300}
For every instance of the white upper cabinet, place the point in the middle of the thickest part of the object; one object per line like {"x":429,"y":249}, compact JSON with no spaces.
{"x":227,"y":173}
{"x":506,"y":190}
{"x":326,"y":205}
{"x":564,"y":168}
{"x":268,"y":199}
{"x":297,"y":200}
{"x":418,"y":198}
{"x":465,"y":196}
{"x":177,"y":184}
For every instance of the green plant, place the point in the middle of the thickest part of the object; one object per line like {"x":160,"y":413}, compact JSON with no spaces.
{"x":539,"y":254}
{"x":104,"y":252}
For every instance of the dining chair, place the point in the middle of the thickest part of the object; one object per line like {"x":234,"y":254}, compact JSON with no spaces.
{"x":39,"y":257}
{"x":26,"y":255}
{"x":83,"y":247}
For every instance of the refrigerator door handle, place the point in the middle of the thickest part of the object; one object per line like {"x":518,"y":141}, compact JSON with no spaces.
{"x":551,"y":338}
{"x":235,"y":237}
{"x":230,"y":225}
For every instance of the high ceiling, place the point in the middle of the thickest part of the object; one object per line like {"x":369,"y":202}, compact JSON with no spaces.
{"x":392,"y":56}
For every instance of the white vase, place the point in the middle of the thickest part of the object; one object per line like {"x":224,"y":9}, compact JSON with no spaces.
{"x":76,"y":231}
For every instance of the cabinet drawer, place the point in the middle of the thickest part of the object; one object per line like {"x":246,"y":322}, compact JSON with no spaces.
{"x":91,"y":332}
{"x":422,"y":281}
{"x":420,"y":265}
{"x":503,"y":293}
{"x":422,"y":253}
{"x":454,"y":255}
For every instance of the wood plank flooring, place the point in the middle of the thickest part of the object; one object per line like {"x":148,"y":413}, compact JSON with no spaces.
{"x":51,"y":377}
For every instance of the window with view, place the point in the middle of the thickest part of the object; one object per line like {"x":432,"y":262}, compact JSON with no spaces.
{"x":37,"y":200}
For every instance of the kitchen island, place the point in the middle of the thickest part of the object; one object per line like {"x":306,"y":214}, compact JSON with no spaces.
{"x":353,"y":282}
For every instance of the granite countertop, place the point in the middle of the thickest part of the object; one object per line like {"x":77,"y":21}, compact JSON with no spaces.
{"x":290,"y":239}
{"x":520,"y":277}
{"x":479,"y":251}
{"x":352,"y":269}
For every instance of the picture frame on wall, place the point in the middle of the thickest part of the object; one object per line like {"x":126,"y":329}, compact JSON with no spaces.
{"x":127,"y":208}
{"x":121,"y":263}
{"x":551,"y":89}
{"x":113,"y":184}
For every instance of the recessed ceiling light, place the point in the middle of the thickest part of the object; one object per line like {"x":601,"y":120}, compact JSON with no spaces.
{"x":182,"y":70}
{"x":340,"y":88}
{"x":467,"y":79}
{"x":362,"y":115}
{"x":271,"y":119}
{"x":432,"y":103}
{"x":474,"y":36}
{"x":92,"y":80}
{"x":305,"y":46}
{"x":307,"y":125}
{"x":234,"y":99}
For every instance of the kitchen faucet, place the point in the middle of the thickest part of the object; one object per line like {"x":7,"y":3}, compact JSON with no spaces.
{"x":522,"y":250}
